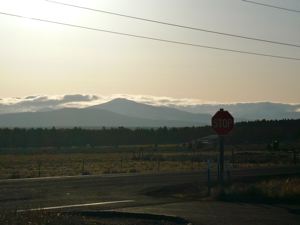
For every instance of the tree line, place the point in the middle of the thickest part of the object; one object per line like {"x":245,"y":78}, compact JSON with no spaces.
{"x":244,"y":132}
{"x":42,"y":137}
{"x":265,"y":131}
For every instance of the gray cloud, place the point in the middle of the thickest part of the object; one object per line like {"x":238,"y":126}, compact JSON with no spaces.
{"x":30,"y":97}
{"x":79,"y":98}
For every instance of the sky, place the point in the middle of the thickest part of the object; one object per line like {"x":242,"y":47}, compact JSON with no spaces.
{"x":38,"y":58}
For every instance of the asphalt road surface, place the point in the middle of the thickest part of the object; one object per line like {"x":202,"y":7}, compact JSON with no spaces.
{"x":105,"y":191}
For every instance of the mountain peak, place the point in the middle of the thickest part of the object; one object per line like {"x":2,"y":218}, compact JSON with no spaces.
{"x":131,"y":108}
{"x":120,"y":101}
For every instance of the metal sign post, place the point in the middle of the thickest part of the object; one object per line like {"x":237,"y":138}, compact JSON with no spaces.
{"x":222,"y":122}
{"x":208,"y":178}
{"x":221,"y":137}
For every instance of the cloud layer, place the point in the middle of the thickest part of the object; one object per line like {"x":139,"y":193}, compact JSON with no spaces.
{"x":44,"y":103}
{"x":255,"y":110}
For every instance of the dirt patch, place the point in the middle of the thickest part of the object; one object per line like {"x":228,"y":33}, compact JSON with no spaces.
{"x":188,"y":191}
{"x":121,"y":218}
{"x":86,"y":218}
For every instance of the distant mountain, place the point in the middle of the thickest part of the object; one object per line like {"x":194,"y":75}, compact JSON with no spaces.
{"x":249,"y":111}
{"x":127,"y":113}
{"x":83,"y":118}
{"x":138,"y":110}
{"x":168,"y":109}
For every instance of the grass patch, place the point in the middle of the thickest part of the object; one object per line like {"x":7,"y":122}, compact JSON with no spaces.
{"x":267,"y":190}
{"x":274,"y":190}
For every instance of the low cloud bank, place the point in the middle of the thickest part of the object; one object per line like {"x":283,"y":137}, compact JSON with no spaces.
{"x":243,"y":111}
{"x":44,"y":103}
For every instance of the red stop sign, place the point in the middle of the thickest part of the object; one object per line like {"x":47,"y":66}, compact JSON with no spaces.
{"x":222,"y":122}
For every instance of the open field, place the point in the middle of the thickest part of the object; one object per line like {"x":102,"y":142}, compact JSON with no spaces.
{"x":27,"y":163}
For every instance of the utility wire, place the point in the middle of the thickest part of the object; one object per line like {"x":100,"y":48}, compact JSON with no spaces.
{"x":150,"y":38}
{"x":271,"y":6}
{"x":177,"y":25}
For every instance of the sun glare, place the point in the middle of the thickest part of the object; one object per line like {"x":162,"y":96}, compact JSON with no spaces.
{"x":40,"y":9}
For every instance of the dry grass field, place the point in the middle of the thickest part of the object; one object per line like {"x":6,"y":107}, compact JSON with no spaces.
{"x":28,"y":163}
{"x":272,"y":190}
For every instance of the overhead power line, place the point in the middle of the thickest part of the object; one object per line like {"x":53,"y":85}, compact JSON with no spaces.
{"x":271,"y":6}
{"x":178,"y":25}
{"x":150,"y":38}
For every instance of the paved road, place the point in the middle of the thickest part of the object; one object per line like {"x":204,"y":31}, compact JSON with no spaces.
{"x":64,"y":191}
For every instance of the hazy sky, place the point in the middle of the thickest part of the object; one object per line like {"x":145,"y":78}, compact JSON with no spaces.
{"x":47,"y":59}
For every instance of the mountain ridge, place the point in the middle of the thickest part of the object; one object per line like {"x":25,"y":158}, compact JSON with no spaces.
{"x":128,"y":113}
{"x":87,"y":117}
{"x":140,"y":110}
